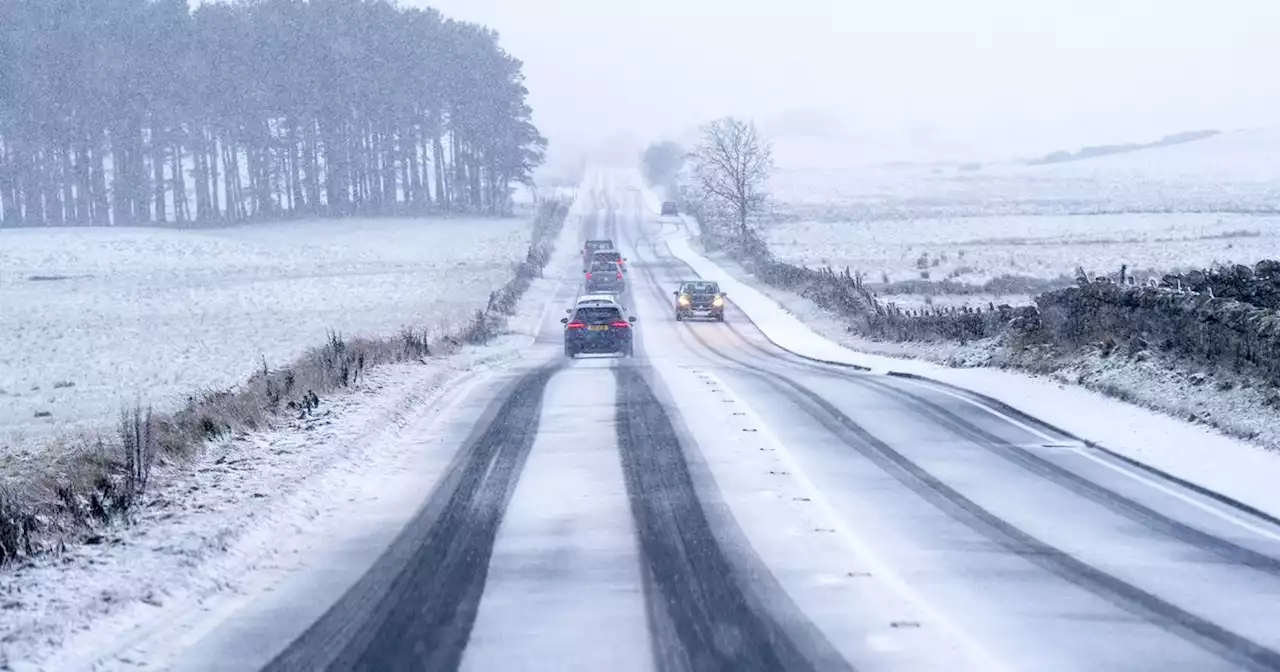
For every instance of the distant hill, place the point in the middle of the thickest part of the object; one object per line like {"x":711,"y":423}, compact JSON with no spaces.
{"x":1108,"y":150}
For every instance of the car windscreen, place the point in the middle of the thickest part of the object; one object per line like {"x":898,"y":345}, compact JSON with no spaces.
{"x":597,"y":315}
{"x":700,"y":288}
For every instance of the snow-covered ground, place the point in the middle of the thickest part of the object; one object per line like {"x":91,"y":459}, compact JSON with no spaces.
{"x":1162,"y":209}
{"x":1232,"y":171}
{"x":1189,"y":451}
{"x":974,"y":250}
{"x":258,"y":510}
{"x":92,"y":319}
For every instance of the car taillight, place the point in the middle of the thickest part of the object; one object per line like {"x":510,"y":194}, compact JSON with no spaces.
{"x":620,"y":324}
{"x":588,"y":276}
{"x":619,"y":275}
{"x":576,"y":325}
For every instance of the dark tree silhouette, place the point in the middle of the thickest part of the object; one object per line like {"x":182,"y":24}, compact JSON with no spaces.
{"x":119,"y":112}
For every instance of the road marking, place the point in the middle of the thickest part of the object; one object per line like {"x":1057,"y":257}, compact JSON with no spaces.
{"x":984,"y":659}
{"x":1091,"y":455}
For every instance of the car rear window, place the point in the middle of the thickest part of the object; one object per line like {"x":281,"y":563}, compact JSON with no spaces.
{"x":599,"y":245}
{"x":604,"y":266}
{"x":701,"y":288}
{"x":611,"y":255}
{"x":598,"y":315}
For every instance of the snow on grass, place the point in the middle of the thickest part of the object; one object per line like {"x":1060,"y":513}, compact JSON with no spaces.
{"x":262,"y":513}
{"x":1233,"y":171}
{"x":1162,"y":209}
{"x":250,"y":512}
{"x":1190,"y":451}
{"x":94,"y":318}
{"x":973,"y":250}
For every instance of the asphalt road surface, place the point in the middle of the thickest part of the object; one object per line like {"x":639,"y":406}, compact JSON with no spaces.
{"x":716,"y":503}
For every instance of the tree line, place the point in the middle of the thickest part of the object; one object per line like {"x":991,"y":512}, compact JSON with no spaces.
{"x":118,"y":112}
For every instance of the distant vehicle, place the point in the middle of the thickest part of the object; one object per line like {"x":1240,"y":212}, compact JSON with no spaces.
{"x":669,"y":208}
{"x":604,"y":277}
{"x":609,"y":255}
{"x":592,"y":246}
{"x":598,"y":329}
{"x":699,"y":298}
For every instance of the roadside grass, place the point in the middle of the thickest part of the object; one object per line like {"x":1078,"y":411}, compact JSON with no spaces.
{"x":77,"y":487}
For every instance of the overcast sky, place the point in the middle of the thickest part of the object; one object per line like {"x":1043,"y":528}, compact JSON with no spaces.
{"x":1023,"y":74}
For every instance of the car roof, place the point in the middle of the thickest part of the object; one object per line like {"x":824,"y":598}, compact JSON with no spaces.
{"x":597,"y":298}
{"x":608,"y":251}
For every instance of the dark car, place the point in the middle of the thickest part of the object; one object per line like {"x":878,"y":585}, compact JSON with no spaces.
{"x":699,"y":298}
{"x":604,"y":277}
{"x":592,"y":246}
{"x":669,"y":208}
{"x":597,"y":329}
{"x":608,"y":255}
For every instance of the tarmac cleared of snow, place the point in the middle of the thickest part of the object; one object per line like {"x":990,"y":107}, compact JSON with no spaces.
{"x":94,"y":319}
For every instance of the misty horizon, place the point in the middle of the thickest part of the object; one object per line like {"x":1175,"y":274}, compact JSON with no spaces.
{"x":993,"y":79}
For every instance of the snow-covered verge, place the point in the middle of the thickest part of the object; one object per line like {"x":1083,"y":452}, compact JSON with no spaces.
{"x":94,"y":319}
{"x":249,"y":508}
{"x":1191,"y":451}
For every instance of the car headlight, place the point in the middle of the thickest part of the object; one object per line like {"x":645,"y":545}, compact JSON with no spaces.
{"x":684,"y":300}
{"x":718,"y":301}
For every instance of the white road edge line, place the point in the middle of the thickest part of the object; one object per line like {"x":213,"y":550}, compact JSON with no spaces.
{"x":1089,"y":454}
{"x":984,"y":659}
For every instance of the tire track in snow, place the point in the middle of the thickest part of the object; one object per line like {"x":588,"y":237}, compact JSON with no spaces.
{"x":1228,"y":645}
{"x":415,"y":607}
{"x":701,"y":615}
{"x":1210,"y":636}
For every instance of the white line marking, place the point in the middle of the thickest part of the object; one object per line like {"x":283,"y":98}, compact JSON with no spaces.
{"x":882,"y":570}
{"x":1091,"y":455}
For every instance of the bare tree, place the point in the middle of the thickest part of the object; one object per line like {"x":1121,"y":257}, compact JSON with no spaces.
{"x":731,"y":165}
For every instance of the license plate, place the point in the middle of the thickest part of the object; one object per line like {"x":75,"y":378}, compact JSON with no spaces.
{"x":598,"y":327}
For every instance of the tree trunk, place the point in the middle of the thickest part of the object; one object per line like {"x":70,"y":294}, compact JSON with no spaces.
{"x":217,"y":202}
{"x":200,"y":174}
{"x":85,"y":214}
{"x":437,"y":160}
{"x":297,"y":201}
{"x":181,"y":212}
{"x":68,"y":179}
{"x":10,"y":215}
{"x":158,"y":160}
{"x":99,"y":193}
{"x":30,"y":180}
{"x":312,"y":181}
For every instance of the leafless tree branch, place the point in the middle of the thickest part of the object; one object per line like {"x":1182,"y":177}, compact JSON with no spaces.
{"x":731,"y":166}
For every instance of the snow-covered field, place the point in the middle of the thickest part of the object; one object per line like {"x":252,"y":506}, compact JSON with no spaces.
{"x":973,"y":250}
{"x":1184,"y":206}
{"x":1233,"y":171}
{"x":92,"y":319}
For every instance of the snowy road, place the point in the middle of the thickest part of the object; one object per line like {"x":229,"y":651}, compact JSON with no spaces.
{"x":717,"y":503}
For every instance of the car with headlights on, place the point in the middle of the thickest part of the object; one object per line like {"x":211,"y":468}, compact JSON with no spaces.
{"x":598,"y":329}
{"x":699,"y":299}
